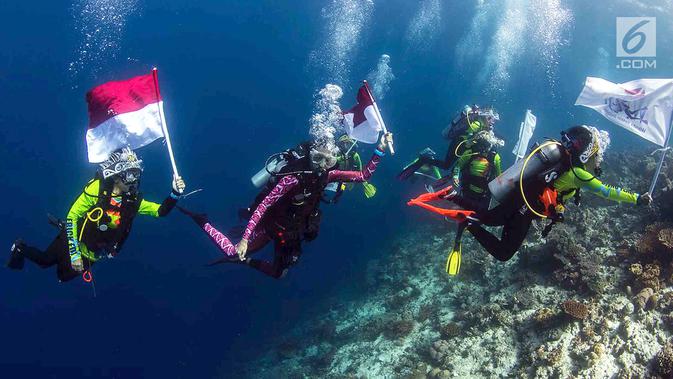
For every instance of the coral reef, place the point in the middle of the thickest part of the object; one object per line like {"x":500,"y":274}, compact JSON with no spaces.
{"x":664,"y":361}
{"x":575,"y":309}
{"x":591,"y":300}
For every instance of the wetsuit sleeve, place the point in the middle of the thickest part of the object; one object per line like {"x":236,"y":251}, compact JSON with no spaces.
{"x":84,"y":202}
{"x":459,"y":165}
{"x":583,"y":179}
{"x":357,"y":176}
{"x":149,"y":208}
{"x":284,"y":186}
{"x":497,"y":162}
{"x":357,"y":161}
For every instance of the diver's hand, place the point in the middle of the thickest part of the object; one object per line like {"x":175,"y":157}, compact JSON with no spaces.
{"x":645,"y":199}
{"x":242,"y":249}
{"x":455,"y":182}
{"x":386,"y":139}
{"x":178,"y":185}
{"x":77,"y":265}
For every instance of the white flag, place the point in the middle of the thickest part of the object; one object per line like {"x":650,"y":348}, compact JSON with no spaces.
{"x":361,"y":122}
{"x":642,"y":106}
{"x":525,"y":134}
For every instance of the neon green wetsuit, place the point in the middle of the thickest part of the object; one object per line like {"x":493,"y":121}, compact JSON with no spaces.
{"x":87,"y":203}
{"x":479,"y":166}
{"x":570,"y":181}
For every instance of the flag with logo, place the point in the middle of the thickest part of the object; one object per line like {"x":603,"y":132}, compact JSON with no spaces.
{"x":643,"y":106}
{"x":361,"y":122}
{"x":525,"y":133}
{"x":123,"y":113}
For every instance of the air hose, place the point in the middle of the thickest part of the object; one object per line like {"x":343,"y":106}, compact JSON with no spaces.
{"x":523,"y":169}
{"x":91,"y":218}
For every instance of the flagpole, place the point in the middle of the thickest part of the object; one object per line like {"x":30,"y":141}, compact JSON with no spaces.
{"x":163,"y":122}
{"x":663,"y":156}
{"x":378,"y":115}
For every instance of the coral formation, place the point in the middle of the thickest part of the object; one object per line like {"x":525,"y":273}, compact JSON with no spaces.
{"x":608,"y":269}
{"x":664,"y":361}
{"x":575,"y":309}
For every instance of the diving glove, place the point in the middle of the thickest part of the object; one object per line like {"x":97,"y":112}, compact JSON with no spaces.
{"x":644,"y":199}
{"x":178,"y":185}
{"x":77,"y":264}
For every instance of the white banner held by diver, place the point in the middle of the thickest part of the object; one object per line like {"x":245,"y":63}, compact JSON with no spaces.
{"x":361,"y":122}
{"x":643,"y":106}
{"x":525,"y":134}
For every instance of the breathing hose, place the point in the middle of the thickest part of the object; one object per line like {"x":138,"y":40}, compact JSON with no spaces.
{"x":523,"y":169}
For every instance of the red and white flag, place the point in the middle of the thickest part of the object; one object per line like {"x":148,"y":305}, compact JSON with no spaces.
{"x":123,"y":113}
{"x":361,"y":122}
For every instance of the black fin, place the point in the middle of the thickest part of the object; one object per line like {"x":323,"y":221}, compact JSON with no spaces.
{"x":200,"y":218}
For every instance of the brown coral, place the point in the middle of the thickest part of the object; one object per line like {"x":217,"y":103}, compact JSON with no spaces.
{"x":544,"y":316}
{"x":664,"y":361}
{"x":575,"y":309}
{"x":398,"y":329}
{"x":657,"y":240}
{"x":665,"y":237}
{"x":449,"y":330}
{"x":643,"y":297}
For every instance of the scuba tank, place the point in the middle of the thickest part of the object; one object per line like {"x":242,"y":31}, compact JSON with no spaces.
{"x":458,"y":125}
{"x":544,"y":163}
{"x":273,"y":165}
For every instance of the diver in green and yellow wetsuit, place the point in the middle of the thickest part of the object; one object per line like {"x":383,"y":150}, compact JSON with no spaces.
{"x":463,"y":128}
{"x":540,"y":190}
{"x":99,"y":221}
{"x":475,"y":168}
{"x":348,"y":160}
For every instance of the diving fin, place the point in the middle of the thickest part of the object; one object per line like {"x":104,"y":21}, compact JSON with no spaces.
{"x":200,"y":218}
{"x":410,"y":169}
{"x":16,"y":259}
{"x":56,"y":222}
{"x":369,"y":189}
{"x":454,"y":259}
{"x":226,"y":259}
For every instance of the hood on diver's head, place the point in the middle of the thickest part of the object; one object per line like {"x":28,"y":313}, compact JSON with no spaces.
{"x":123,"y":164}
{"x":489,"y":115}
{"x":584,"y":142}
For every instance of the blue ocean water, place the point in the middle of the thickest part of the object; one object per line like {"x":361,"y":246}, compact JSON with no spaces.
{"x":239,"y":81}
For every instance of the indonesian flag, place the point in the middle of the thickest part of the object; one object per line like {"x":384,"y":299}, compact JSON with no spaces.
{"x":525,"y":133}
{"x":642,"y":106}
{"x":361,"y":121}
{"x":124,"y":113}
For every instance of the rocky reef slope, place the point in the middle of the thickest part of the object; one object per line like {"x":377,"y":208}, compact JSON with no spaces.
{"x":592,"y":300}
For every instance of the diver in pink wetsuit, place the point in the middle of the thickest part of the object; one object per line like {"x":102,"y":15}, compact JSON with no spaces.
{"x":287,"y":211}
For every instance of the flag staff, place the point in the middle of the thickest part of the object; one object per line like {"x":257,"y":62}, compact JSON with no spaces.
{"x":378,"y":115}
{"x":663,"y":156}
{"x":163,"y":122}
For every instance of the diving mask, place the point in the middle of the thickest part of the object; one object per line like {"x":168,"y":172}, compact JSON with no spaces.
{"x":322,"y":159}
{"x":130,"y":177}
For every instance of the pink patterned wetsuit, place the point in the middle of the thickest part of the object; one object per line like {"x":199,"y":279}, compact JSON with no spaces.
{"x":258,"y":237}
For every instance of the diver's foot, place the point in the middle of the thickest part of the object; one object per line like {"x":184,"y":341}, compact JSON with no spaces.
{"x":16,"y":259}
{"x":471,"y":220}
{"x":199,"y":218}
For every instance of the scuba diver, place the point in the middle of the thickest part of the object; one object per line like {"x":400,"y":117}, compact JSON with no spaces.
{"x":287,"y":210}
{"x":348,"y":160}
{"x":537,"y":187}
{"x":464,"y":126}
{"x":99,"y":221}
{"x":475,"y":168}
